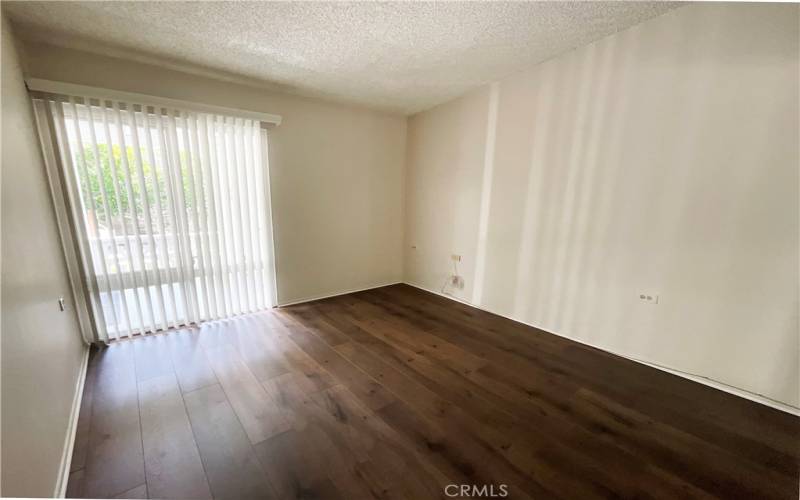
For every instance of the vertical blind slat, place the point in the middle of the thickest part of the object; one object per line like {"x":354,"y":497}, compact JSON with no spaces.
{"x":247,"y":155}
{"x":262,"y":204}
{"x":261,"y":146}
{"x":218,"y":208}
{"x":252,"y":218}
{"x":243,"y":214}
{"x":251,"y":213}
{"x":230,"y":231}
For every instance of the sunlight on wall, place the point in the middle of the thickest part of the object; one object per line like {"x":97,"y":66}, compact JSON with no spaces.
{"x":486,"y":193}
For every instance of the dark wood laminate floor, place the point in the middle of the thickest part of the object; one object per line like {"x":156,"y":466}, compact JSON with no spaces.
{"x":396,"y":393}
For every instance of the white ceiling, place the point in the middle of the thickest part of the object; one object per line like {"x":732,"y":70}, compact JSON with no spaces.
{"x":395,"y":56}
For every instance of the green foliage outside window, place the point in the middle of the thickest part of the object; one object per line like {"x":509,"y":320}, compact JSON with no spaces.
{"x":124,"y":207}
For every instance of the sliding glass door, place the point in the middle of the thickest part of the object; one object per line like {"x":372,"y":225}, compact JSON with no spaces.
{"x":169,"y":209}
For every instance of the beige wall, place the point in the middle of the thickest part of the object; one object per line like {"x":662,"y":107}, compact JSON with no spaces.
{"x":661,"y":160}
{"x":42,"y":348}
{"x":336,"y":170}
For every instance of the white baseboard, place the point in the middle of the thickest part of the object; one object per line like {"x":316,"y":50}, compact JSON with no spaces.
{"x":758,"y":398}
{"x":336,"y":294}
{"x":72,"y":428}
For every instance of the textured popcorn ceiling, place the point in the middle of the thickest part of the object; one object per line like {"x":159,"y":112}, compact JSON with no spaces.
{"x":395,"y":56}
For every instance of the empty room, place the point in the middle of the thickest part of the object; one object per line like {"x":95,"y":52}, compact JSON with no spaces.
{"x":400,"y":250}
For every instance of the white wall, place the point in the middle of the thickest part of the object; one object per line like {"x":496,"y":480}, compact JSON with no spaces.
{"x":336,"y":170}
{"x":663,"y":159}
{"x":42,"y":348}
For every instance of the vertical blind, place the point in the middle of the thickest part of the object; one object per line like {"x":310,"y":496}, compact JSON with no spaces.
{"x":169,"y":211}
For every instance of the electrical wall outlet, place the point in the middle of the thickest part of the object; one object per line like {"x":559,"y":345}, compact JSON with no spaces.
{"x":650,"y":298}
{"x":456,"y":258}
